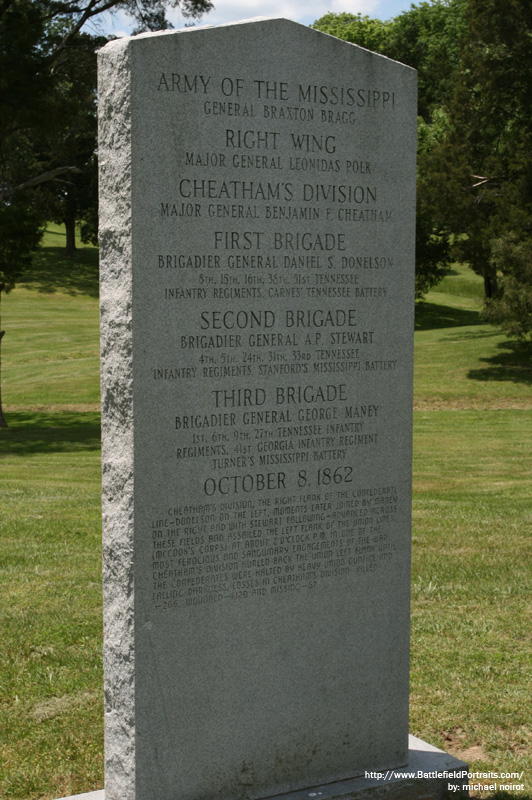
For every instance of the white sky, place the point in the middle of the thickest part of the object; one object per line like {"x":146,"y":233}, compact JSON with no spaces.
{"x":303,"y":11}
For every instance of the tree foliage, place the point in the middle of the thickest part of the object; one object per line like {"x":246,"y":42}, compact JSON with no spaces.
{"x":73,"y":139}
{"x":426,"y":38}
{"x":474,"y":62}
{"x":355,"y":28}
{"x":42,"y":65}
{"x":511,"y":257}
{"x":21,"y":233}
{"x":482,"y":168}
{"x":48,"y":117}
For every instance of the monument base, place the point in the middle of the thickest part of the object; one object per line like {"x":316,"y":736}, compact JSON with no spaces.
{"x":430,"y":774}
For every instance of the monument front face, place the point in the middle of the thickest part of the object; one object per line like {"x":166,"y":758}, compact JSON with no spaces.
{"x":257,"y":238}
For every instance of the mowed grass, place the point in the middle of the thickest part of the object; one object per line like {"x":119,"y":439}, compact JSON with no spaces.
{"x":461,"y":363}
{"x":472,"y":588}
{"x":472,"y":526}
{"x":50,"y":352}
{"x":472,"y":537}
{"x":51,"y":702}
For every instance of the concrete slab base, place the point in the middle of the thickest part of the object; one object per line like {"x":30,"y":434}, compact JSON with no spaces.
{"x":430,"y":774}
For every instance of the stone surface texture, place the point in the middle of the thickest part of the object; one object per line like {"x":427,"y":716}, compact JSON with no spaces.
{"x":257,"y":243}
{"x":422,"y":757}
{"x":115,"y":231}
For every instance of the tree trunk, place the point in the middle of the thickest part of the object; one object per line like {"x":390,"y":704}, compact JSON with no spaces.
{"x":3,"y":423}
{"x":490,"y":285}
{"x":70,"y":225}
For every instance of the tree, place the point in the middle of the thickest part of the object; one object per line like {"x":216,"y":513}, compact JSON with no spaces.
{"x":482,"y":169}
{"x":355,"y":28}
{"x":73,"y":139}
{"x":511,"y":309}
{"x":36,"y":41}
{"x":47,"y":116}
{"x":426,"y":38}
{"x":21,"y":233}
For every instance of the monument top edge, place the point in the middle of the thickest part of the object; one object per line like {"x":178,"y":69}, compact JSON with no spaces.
{"x":125,"y":41}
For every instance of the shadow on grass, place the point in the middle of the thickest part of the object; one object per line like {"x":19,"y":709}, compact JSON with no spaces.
{"x":430,"y":316}
{"x":513,"y":364}
{"x":61,"y":432}
{"x":52,"y":271}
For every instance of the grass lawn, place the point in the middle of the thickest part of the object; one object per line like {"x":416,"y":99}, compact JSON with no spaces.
{"x":472,"y":543}
{"x":472,"y":536}
{"x":51,"y":703}
{"x":50,"y":352}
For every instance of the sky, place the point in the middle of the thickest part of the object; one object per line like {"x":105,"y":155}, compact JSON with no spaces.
{"x":303,"y":11}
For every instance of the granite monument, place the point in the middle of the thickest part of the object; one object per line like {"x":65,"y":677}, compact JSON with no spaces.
{"x":257,"y":287}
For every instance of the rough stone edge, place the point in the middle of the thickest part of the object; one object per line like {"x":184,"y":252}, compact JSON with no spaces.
{"x":115,"y":234}
{"x":421,"y":756}
{"x":197,"y":29}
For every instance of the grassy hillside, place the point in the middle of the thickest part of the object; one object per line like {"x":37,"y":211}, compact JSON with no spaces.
{"x":472,"y":526}
{"x":51,"y":347}
{"x":51,"y":703}
{"x":472,"y":551}
{"x":461,"y":363}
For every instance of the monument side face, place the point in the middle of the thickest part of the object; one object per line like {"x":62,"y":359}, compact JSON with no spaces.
{"x":257,"y":319}
{"x":115,"y":240}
